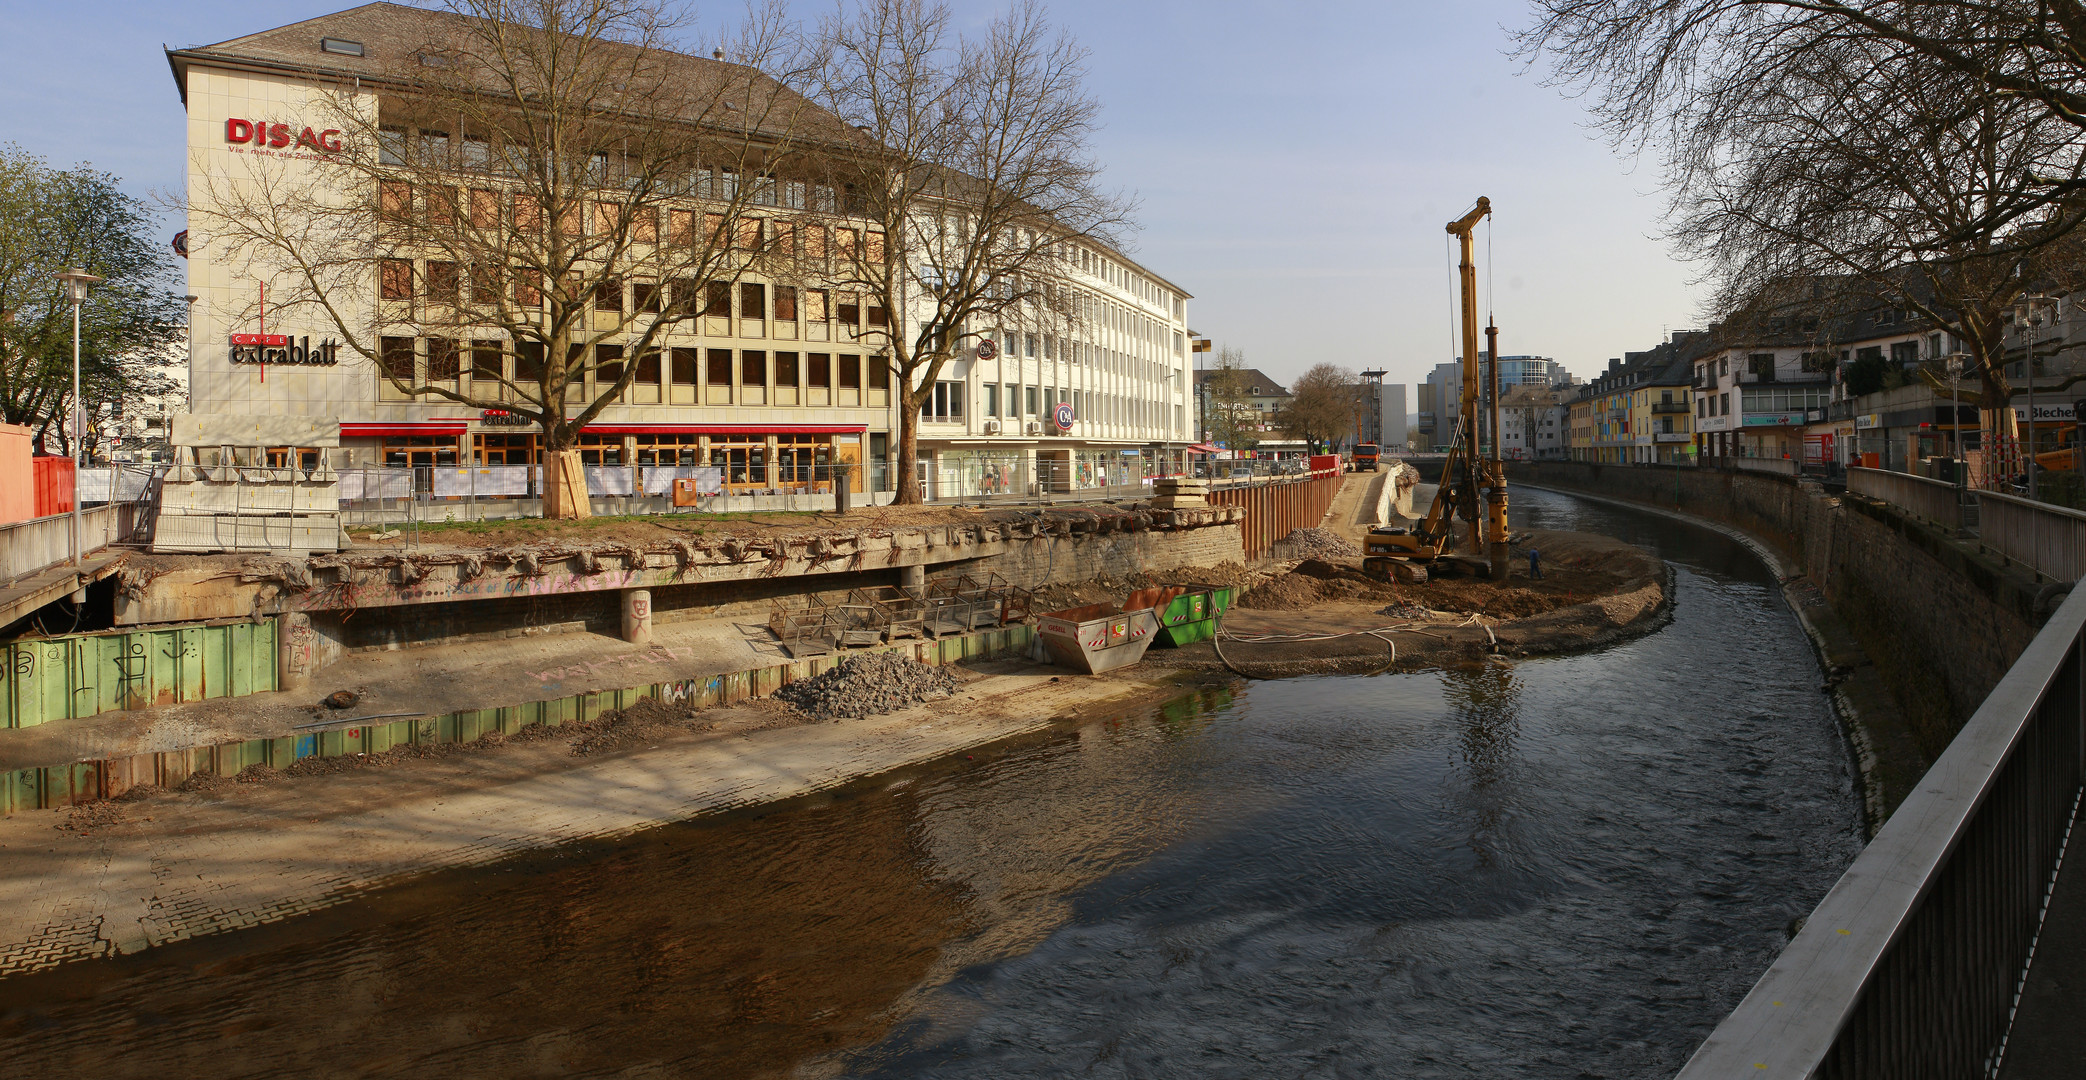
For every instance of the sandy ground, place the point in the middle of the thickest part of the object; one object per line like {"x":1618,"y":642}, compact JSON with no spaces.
{"x":1326,"y":617}
{"x":123,"y":876}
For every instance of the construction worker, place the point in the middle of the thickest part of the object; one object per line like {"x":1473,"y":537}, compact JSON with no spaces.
{"x":1535,"y":564}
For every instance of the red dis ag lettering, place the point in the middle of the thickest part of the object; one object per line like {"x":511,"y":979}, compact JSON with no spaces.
{"x":238,"y":130}
{"x":308,"y":139}
{"x":329,"y":140}
{"x":279,"y":136}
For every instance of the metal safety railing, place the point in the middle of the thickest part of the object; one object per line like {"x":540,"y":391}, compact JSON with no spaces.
{"x":1913,"y":964}
{"x":1935,"y":501}
{"x":2050,"y":540}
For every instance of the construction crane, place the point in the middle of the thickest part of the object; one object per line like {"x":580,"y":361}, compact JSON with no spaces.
{"x":1390,"y":551}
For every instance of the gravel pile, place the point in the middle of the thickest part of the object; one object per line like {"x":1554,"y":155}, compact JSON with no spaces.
{"x":1319,"y":544}
{"x":865,"y":684}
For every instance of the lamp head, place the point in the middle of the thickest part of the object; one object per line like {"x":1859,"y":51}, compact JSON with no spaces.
{"x":77,"y":281}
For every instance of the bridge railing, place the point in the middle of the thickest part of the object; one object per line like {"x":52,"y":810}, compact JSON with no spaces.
{"x":1933,"y":500}
{"x":2051,"y":540}
{"x":1913,"y":964}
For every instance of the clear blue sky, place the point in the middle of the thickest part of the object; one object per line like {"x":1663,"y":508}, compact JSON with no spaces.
{"x":1295,"y":162}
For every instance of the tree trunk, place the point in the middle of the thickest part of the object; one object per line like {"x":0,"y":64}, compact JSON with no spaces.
{"x":908,"y":485}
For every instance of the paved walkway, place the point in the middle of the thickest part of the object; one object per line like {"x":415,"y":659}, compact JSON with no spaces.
{"x":20,"y":599}
{"x":2049,"y":1035}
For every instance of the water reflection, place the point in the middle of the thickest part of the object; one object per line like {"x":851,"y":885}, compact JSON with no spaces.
{"x":1565,"y":867}
{"x":1484,"y":703}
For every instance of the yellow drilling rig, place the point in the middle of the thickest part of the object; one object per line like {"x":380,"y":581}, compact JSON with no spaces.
{"x":1397,"y":552}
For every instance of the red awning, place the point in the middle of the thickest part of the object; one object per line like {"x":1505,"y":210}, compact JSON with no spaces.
{"x":1203,"y":448}
{"x":725,"y":429}
{"x":404,"y":427}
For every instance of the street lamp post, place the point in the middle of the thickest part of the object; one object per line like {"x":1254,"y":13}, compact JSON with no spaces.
{"x":77,"y":281}
{"x":2028,"y":315}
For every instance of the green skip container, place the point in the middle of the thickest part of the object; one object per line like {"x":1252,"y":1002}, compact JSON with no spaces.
{"x":1192,"y":615}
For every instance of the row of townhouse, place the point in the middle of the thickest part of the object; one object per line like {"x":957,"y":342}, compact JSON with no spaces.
{"x":1820,"y":392}
{"x":776,"y":378}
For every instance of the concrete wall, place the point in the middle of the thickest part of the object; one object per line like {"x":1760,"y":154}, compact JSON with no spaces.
{"x":1027,"y":563}
{"x":1941,"y":621}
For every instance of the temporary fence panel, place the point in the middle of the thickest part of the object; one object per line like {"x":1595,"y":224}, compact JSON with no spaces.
{"x":607,"y":479}
{"x":659,"y":479}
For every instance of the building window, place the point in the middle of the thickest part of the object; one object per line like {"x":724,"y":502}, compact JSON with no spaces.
{"x":992,"y":399}
{"x":682,"y":374}
{"x":608,"y":295}
{"x":395,"y":360}
{"x":444,"y":360}
{"x":528,"y":363}
{"x":1033,"y":399}
{"x":753,"y":368}
{"x":395,"y":279}
{"x":670,"y":448}
{"x":608,"y":366}
{"x":753,"y":300}
{"x":441,"y":281}
{"x":720,"y":369}
{"x":646,"y":297}
{"x":785,"y":303}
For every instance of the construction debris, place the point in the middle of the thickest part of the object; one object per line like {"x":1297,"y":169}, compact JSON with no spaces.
{"x":1318,"y":544}
{"x":866,"y":684}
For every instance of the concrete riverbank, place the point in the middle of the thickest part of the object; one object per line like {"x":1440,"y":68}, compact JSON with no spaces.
{"x":121,"y":876}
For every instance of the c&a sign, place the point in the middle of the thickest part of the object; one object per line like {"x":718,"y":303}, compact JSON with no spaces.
{"x":260,"y":133}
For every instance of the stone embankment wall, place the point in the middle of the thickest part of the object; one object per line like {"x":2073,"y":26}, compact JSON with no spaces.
{"x":1028,"y":562}
{"x":1941,"y":621}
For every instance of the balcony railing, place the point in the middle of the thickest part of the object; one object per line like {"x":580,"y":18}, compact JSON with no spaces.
{"x":1680,"y":407}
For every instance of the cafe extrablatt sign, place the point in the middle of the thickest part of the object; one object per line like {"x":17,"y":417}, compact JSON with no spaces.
{"x":282,"y":349}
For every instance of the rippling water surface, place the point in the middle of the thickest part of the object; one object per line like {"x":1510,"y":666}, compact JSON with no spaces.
{"x":1568,"y":867}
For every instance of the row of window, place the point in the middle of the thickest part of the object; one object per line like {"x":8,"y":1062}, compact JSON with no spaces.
{"x":403,"y":144}
{"x":447,"y":283}
{"x":443,"y":208}
{"x":678,"y":376}
{"x":1015,"y":400}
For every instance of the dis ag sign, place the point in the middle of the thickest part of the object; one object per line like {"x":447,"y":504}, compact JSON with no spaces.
{"x":260,"y":133}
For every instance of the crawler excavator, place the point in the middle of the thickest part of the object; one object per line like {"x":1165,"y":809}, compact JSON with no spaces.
{"x":1405,"y":553}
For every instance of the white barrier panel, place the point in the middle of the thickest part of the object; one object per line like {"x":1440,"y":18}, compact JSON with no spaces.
{"x":485,"y":480}
{"x":659,"y":479}
{"x":608,"y":479}
{"x":376,"y":484}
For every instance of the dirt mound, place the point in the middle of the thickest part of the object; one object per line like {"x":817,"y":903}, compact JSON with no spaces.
{"x":866,"y":684}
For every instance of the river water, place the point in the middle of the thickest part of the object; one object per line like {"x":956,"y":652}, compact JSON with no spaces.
{"x":1566,"y":867}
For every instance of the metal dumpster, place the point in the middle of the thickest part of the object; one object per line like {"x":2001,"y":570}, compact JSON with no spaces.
{"x":1097,"y":637}
{"x":1192,"y":615}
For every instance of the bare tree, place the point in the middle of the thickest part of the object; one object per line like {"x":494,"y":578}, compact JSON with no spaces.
{"x":979,"y":195}
{"x":1229,"y":419}
{"x":1320,"y":405}
{"x":1665,"y":68}
{"x":1825,"y":157}
{"x":544,"y":191}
